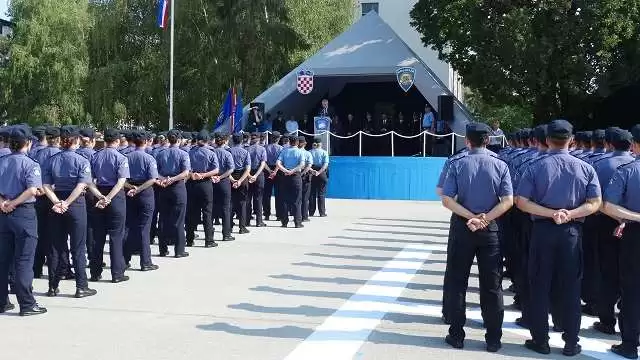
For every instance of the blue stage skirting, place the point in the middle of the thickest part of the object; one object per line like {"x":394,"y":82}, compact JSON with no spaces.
{"x":384,"y":178}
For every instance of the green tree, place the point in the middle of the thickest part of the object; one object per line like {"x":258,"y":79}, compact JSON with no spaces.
{"x":46,"y":75}
{"x":511,"y":116}
{"x":553,"y":56}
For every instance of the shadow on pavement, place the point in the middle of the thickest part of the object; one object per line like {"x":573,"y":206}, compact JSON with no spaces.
{"x":399,"y":233}
{"x":443,"y":228}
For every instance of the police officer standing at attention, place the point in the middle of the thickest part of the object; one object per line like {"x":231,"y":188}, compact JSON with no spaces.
{"x":319,"y":179}
{"x":65,"y":176}
{"x":18,"y":224}
{"x":40,"y":133}
{"x":222,"y":186}
{"x":476,"y":232}
{"x":290,"y":162}
{"x":622,"y":201}
{"x":240,"y":188}
{"x":306,"y":175}
{"x":258,"y":156}
{"x":273,"y":150}
{"x":558,"y":191}
{"x":173,"y":167}
{"x":204,"y":165}
{"x":608,"y":246}
{"x":110,"y":170}
{"x":143,"y":172}
{"x":87,"y":143}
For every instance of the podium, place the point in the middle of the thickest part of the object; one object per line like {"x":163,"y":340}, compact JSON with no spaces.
{"x":322,"y":127}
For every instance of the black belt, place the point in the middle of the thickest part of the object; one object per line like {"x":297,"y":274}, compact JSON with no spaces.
{"x":137,"y":183}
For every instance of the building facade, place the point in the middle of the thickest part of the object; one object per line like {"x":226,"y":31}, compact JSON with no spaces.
{"x":396,"y":13}
{"x":6,"y":28}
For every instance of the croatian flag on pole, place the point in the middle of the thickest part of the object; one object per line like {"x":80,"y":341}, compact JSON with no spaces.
{"x":163,"y":13}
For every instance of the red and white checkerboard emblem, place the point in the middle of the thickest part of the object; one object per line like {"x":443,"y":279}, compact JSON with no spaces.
{"x":305,"y":82}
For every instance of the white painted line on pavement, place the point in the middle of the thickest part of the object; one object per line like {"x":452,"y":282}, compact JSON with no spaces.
{"x":342,"y":335}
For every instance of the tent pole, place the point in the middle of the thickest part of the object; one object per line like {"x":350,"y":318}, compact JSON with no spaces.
{"x":424,"y":144}
{"x":453,"y":143}
{"x":359,"y":143}
{"x":392,"y":148}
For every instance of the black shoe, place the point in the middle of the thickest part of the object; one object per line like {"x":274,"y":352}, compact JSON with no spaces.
{"x":511,"y":289}
{"x":299,"y":226}
{"x":589,"y":309}
{"x":152,"y":241}
{"x":523,"y":324}
{"x":261,"y":225}
{"x":217,"y":222}
{"x":35,"y":310}
{"x":7,"y":307}
{"x":557,"y":328}
{"x":624,"y":352}
{"x":494,"y":346}
{"x":284,"y":225}
{"x":266,"y":218}
{"x":228,"y":238}
{"x":306,"y":220}
{"x":127,"y":266}
{"x":189,"y":243}
{"x":69,"y":276}
{"x":95,"y":278}
{"x":151,"y":267}
{"x":323,"y":215}
{"x":543,"y":349}
{"x":210,"y":244}
{"x":37,"y":275}
{"x":83,"y":293}
{"x":455,"y":343}
{"x":53,"y":292}
{"x":571,"y":350}
{"x":120,"y":279}
{"x":164,"y":253}
{"x":181,"y":255}
{"x":605,"y":329}
{"x":243,"y":231}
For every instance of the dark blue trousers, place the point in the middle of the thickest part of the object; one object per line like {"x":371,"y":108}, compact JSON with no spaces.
{"x":256,"y":196}
{"x":18,"y":239}
{"x":591,"y":273}
{"x":155,"y":223}
{"x":291,"y":186}
{"x":222,"y":200}
{"x":446,"y":293}
{"x":140,"y":209}
{"x":199,"y":208}
{"x":173,"y":209}
{"x":239,"y":199}
{"x":306,"y":193}
{"x":281,"y":196}
{"x":110,"y":221}
{"x":269,"y":186}
{"x":555,"y":260}
{"x":483,"y":245}
{"x":630,"y":279}
{"x":609,"y":256}
{"x":72,"y":225}
{"x":318,"y":192}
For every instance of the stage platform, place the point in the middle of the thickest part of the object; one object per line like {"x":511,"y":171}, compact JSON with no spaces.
{"x":384,"y":178}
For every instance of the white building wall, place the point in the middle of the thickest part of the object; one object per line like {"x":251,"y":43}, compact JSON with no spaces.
{"x":396,"y":13}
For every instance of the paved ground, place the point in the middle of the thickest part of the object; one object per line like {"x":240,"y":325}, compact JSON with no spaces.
{"x":364,"y":283}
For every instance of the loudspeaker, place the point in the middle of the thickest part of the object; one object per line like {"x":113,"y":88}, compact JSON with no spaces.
{"x":445,"y":107}
{"x":260,"y":108}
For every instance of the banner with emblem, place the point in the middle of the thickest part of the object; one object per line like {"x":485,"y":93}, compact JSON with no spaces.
{"x":305,"y":82}
{"x":406,"y":77}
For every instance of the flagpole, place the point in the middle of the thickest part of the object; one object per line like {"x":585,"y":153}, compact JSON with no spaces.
{"x":171,"y":67}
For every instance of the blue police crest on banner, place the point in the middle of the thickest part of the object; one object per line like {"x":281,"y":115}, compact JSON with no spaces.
{"x":406,"y":77}
{"x":322,"y":123}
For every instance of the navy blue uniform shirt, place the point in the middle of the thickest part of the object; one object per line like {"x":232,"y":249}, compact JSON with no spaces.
{"x":623,"y":189}
{"x":65,"y":170}
{"x":447,"y":164}
{"x":45,"y":153}
{"x":241,"y":159}
{"x":479,"y":169}
{"x":172,"y":161}
{"x":86,"y":152}
{"x":202,"y":159}
{"x":34,"y":150}
{"x":559,"y":181}
{"x":18,"y":173}
{"x":225,"y":160}
{"x":108,"y":165}
{"x":142,"y":166}
{"x":606,"y":166}
{"x":273,"y":151}
{"x":258,"y":154}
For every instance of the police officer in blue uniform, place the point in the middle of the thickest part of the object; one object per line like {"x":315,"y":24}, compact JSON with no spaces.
{"x":86,"y":149}
{"x":319,"y":179}
{"x":273,"y":150}
{"x":110,"y":170}
{"x":239,"y":183}
{"x":290,"y":163}
{"x":476,"y":232}
{"x":4,"y":140}
{"x":40,"y":133}
{"x":622,"y":201}
{"x":558,"y":191}
{"x":608,"y":246}
{"x":174,"y":167}
{"x":143,"y":173}
{"x":258,"y":155}
{"x":87,"y":143}
{"x":65,"y":176}
{"x":156,"y":225}
{"x":306,"y":175}
{"x":18,"y":223}
{"x":222,"y":185}
{"x":204,"y":165}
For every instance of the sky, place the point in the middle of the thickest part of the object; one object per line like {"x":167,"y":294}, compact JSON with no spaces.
{"x":3,"y":8}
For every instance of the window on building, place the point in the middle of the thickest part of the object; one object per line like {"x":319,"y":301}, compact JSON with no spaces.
{"x":368,"y":7}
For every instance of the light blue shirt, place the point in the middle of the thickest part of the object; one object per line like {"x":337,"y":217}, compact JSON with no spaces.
{"x":319,"y":156}
{"x":291,"y":157}
{"x":427,"y":120}
{"x":18,"y":173}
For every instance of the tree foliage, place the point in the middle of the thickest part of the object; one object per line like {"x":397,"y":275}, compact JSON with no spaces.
{"x":552,"y":55}
{"x":106,"y":62}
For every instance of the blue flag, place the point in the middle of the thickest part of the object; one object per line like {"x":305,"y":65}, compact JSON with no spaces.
{"x":237,"y":119}
{"x":225,"y":112}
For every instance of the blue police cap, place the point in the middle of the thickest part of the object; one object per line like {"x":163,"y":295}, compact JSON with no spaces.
{"x":39,"y":131}
{"x":302,"y":139}
{"x":69,"y":131}
{"x":293,"y":138}
{"x":317,"y":141}
{"x":236,"y":138}
{"x":598,"y":135}
{"x":255,"y":135}
{"x":174,"y":133}
{"x":620,"y":136}
{"x":19,"y":133}
{"x":52,"y":131}
{"x":608,"y":133}
{"x":478,"y":129}
{"x":202,"y":135}
{"x":587,"y":135}
{"x":540,"y":133}
{"x":276,"y":134}
{"x":138,"y":135}
{"x":559,"y":129}
{"x":4,"y":131}
{"x":88,"y":133}
{"x":111,"y":135}
{"x":635,"y":131}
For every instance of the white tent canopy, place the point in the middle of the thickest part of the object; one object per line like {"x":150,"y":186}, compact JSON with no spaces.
{"x":368,"y":51}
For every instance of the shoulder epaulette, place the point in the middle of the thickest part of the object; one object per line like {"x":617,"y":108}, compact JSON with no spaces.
{"x":627,"y":164}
